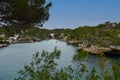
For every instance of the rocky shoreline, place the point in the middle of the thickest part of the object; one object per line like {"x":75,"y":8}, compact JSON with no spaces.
{"x":3,"y":45}
{"x":115,"y":50}
{"x":23,"y":40}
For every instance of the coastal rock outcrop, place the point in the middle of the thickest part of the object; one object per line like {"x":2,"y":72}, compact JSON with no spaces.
{"x":3,"y":45}
{"x":98,"y":50}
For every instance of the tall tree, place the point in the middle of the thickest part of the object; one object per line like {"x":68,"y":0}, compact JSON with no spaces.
{"x":24,"y":12}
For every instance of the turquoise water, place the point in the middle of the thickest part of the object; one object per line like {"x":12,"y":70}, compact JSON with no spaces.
{"x":15,"y":56}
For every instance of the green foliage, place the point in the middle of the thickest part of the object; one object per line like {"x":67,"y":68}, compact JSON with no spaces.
{"x":44,"y":67}
{"x":92,"y":35}
{"x":102,"y":35}
{"x":25,"y":31}
{"x":93,"y":75}
{"x":80,"y":56}
{"x":79,"y":68}
{"x":1,"y":38}
{"x":24,"y":11}
{"x":116,"y":70}
{"x":108,"y":76}
{"x":41,"y":68}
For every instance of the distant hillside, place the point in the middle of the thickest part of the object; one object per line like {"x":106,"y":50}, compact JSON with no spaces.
{"x":105,"y":34}
{"x":102,"y":35}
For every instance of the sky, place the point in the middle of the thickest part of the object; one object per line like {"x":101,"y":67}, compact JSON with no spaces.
{"x":75,"y":13}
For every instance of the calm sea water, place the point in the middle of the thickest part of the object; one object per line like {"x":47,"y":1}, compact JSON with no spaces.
{"x":15,"y":56}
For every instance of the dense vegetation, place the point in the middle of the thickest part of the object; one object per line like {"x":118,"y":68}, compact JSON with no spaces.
{"x":21,"y":17}
{"x":44,"y":67}
{"x":102,"y":35}
{"x":24,"y":12}
{"x":32,"y":32}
